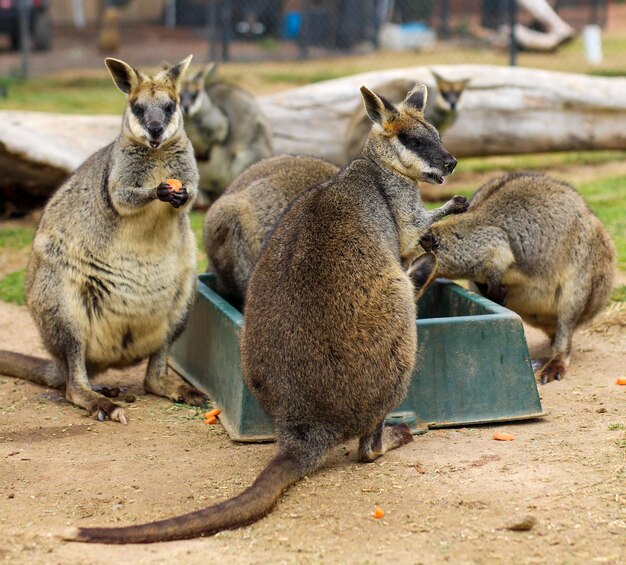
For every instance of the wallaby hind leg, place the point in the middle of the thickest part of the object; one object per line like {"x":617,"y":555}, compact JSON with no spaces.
{"x":79,"y":392}
{"x":166,"y":383}
{"x":554,"y":369}
{"x":382,"y":439}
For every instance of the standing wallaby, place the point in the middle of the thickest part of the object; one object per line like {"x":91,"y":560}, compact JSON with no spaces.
{"x":329,"y":338}
{"x":531,"y":242}
{"x":236,"y":226}
{"x":111,"y":276}
{"x":441,"y":110}
{"x":226,"y":127}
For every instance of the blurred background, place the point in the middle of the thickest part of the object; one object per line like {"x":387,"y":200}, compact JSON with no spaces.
{"x":265,"y":42}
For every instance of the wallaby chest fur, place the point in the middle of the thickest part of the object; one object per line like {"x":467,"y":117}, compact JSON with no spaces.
{"x":237,"y":224}
{"x":533,"y":242}
{"x":125,"y":276}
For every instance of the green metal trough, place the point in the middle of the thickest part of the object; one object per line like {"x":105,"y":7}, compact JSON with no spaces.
{"x":473,"y":363}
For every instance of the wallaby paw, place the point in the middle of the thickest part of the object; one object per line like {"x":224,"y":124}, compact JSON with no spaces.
{"x":176,"y":198}
{"x":553,"y":371}
{"x":460,"y":205}
{"x":103,"y":410}
{"x":429,"y":242}
{"x":188,"y":395}
{"x":399,"y":435}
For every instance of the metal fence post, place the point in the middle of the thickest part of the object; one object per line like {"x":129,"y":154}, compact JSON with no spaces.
{"x":23,"y":15}
{"x":512,"y":14}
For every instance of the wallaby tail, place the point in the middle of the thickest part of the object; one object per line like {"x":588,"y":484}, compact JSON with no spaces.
{"x":41,"y":371}
{"x":250,"y":506}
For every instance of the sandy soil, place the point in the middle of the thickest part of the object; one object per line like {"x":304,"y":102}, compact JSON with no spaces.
{"x":447,"y":497}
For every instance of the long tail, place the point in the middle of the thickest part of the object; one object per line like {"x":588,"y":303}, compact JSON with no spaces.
{"x":250,"y":506}
{"x":41,"y":371}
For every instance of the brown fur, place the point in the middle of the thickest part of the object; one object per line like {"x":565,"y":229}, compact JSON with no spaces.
{"x":111,"y":275}
{"x":236,"y":226}
{"x":329,"y":338}
{"x":532,"y":242}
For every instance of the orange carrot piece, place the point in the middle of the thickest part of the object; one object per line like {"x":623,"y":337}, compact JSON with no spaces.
{"x":174,"y":184}
{"x":378,"y":512}
{"x":620,"y":382}
{"x":502,"y":436}
{"x":214,"y":412}
{"x":211,"y":420}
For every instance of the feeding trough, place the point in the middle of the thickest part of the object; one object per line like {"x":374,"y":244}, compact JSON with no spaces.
{"x":473,"y":367}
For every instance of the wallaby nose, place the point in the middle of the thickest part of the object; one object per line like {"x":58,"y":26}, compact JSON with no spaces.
{"x":449,"y":164}
{"x":155,"y":129}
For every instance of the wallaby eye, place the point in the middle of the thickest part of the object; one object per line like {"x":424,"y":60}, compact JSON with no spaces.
{"x":138,"y":110}
{"x":409,"y":142}
{"x":170,"y":107}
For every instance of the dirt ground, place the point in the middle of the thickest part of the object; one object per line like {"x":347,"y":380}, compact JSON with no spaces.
{"x":447,"y":497}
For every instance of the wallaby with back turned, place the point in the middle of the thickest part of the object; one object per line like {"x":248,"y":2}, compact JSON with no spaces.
{"x":530,"y":242}
{"x":111,"y":275}
{"x":226,"y":127}
{"x":329,"y":339}
{"x":237,"y":225}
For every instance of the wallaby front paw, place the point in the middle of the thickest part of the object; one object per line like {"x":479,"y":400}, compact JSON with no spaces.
{"x":460,"y":205}
{"x":429,"y":241}
{"x":176,"y":198}
{"x":188,"y":395}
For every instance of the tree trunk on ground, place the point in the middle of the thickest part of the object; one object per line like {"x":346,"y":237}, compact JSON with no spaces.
{"x":504,"y":111}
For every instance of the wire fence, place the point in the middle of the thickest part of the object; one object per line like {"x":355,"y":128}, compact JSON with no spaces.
{"x":39,"y":37}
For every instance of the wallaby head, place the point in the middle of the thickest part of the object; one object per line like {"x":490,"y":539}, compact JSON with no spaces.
{"x":153,"y":113}
{"x":401,"y":139}
{"x":449,"y":92}
{"x":193,"y":92}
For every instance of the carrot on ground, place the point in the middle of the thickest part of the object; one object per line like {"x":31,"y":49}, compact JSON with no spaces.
{"x":502,"y":436}
{"x":378,"y":512}
{"x":620,"y":381}
{"x":211,"y":420}
{"x":214,"y":412}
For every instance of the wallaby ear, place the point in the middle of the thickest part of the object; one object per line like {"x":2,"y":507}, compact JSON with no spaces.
{"x":124,"y":76}
{"x":209,"y":71}
{"x":417,"y":97}
{"x":438,"y":78}
{"x":176,"y":72}
{"x":379,"y":109}
{"x":422,"y":272}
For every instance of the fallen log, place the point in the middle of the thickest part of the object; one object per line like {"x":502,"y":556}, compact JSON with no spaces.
{"x":505,"y":110}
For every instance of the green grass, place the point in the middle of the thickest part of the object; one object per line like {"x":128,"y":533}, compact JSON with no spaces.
{"x":12,"y":288}
{"x":607,"y":198}
{"x":16,"y":238}
{"x":619,"y":294}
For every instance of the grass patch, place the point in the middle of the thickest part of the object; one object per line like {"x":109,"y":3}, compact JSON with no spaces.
{"x":614,"y":427}
{"x":12,"y":288}
{"x":538,"y":161}
{"x":607,"y":198}
{"x":197,"y":224}
{"x":619,"y":294}
{"x":16,"y":238}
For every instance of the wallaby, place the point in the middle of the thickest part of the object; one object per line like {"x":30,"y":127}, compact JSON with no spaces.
{"x":441,"y":110}
{"x":329,"y":338}
{"x":111,"y":276}
{"x":529,"y":241}
{"x":236,"y":226}
{"x":226,"y":127}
